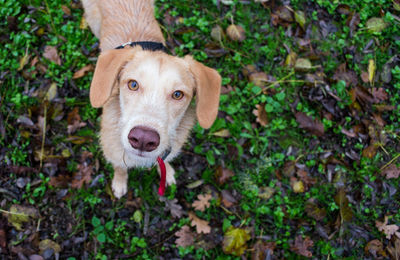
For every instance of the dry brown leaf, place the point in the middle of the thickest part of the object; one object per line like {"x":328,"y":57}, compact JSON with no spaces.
{"x":388,"y":230}
{"x":227,"y":199}
{"x":50,"y":53}
{"x":83,"y":71}
{"x":313,"y":126}
{"x":364,"y":76}
{"x":305,"y":178}
{"x":202,"y":202}
{"x":85,"y":171}
{"x":370,"y":151}
{"x":3,"y":237}
{"x":223,"y":175}
{"x":263,"y":250}
{"x":379,"y":94}
{"x":391,"y":172}
{"x":173,"y":207}
{"x":185,"y":237}
{"x":60,"y":181}
{"x":261,"y":114}
{"x":394,"y":248}
{"x":236,"y":33}
{"x":301,"y":246}
{"x":66,"y":10}
{"x":313,"y":210}
{"x":258,"y":78}
{"x":374,"y":247}
{"x":74,"y":121}
{"x":201,"y":225}
{"x":346,"y":213}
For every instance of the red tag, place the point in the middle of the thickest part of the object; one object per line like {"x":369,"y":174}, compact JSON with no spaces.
{"x":161,"y":188}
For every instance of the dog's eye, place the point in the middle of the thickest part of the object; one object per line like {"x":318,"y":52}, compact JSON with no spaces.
{"x":133,"y":85}
{"x":177,"y":95}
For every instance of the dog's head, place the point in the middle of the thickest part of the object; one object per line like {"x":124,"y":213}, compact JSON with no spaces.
{"x":155,"y":90}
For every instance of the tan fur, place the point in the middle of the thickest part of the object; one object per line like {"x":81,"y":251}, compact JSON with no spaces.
{"x":158,"y":75}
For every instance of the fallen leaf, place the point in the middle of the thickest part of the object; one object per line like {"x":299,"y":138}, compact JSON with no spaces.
{"x":364,"y":77}
{"x":370,"y":151}
{"x":371,"y":71}
{"x":258,"y":78}
{"x":217,"y":33}
{"x":303,"y":64}
{"x":343,"y":9}
{"x":85,"y":171}
{"x":290,"y":60}
{"x":236,"y":33}
{"x":222,"y":133}
{"x":235,"y":241}
{"x":49,"y":244}
{"x":202,"y":202}
{"x":83,"y":25}
{"x":313,"y":210}
{"x":391,"y":172}
{"x":173,"y":207}
{"x":311,"y":125}
{"x":263,"y":250}
{"x":374,"y":247}
{"x":50,"y":53}
{"x":394,"y":248}
{"x":388,"y":230}
{"x":227,"y":199}
{"x":305,"y":178}
{"x":51,"y":92}
{"x":297,"y":185}
{"x":375,"y":24}
{"x":66,"y":10}
{"x":83,"y":71}
{"x":261,"y":114}
{"x":20,"y":214}
{"x":201,"y":225}
{"x":223,"y":175}
{"x":265,"y":192}
{"x":23,"y":61}
{"x":74,"y":121}
{"x":60,"y":181}
{"x":300,"y":18}
{"x":185,"y":237}
{"x":284,"y":14}
{"x":379,"y":94}
{"x":301,"y":246}
{"x":346,"y":213}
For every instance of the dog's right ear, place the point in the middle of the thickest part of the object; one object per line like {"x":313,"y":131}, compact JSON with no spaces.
{"x":108,"y":66}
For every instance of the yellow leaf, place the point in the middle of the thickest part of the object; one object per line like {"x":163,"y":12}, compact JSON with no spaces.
{"x":222,"y":133}
{"x":298,"y":186}
{"x":23,"y":61}
{"x":236,"y":32}
{"x":52,"y":92}
{"x":20,"y":214}
{"x":49,"y":244}
{"x":235,"y":240}
{"x":300,"y":18}
{"x":291,"y":59}
{"x":371,"y":71}
{"x":84,"y":24}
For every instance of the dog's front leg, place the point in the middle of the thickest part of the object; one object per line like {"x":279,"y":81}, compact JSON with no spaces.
{"x":120,"y":182}
{"x":170,"y":178}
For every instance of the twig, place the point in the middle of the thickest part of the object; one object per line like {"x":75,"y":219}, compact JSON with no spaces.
{"x":390,"y":162}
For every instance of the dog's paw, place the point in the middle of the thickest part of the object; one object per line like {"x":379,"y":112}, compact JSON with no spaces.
{"x":119,"y":188}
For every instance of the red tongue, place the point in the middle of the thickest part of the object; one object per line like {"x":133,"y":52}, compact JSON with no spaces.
{"x":161,"y":188}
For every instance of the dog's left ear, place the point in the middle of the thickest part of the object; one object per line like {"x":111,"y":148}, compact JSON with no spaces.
{"x":208,"y":88}
{"x":109,"y":65}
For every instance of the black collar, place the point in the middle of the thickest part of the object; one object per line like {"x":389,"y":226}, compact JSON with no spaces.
{"x":151,"y":46}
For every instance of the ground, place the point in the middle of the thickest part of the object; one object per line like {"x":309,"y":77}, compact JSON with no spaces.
{"x":301,"y":162}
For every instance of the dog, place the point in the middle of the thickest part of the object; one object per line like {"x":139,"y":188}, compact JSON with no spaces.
{"x":145,"y":93}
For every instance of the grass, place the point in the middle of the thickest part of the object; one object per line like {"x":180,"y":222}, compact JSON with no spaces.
{"x":263,"y":158}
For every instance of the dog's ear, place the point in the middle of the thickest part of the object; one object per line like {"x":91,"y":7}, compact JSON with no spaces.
{"x":208,"y":88}
{"x":108,"y":66}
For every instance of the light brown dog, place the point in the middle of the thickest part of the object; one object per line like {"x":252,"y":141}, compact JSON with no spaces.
{"x":146,"y":95}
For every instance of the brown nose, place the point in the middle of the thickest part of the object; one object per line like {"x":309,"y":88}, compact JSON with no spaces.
{"x":144,"y":138}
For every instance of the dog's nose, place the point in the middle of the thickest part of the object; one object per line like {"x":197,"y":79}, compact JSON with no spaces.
{"x":144,"y":138}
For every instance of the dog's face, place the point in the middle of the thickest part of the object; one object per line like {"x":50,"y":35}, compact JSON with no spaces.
{"x":155,"y":91}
